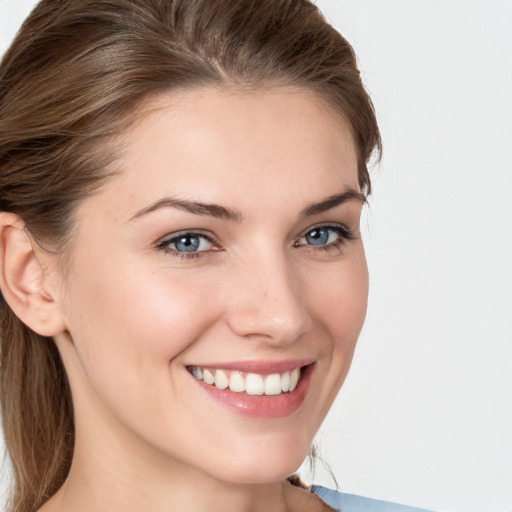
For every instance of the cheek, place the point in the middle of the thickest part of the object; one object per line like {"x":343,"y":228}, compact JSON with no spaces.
{"x":129,"y":331}
{"x":129,"y":326}
{"x":341,"y":299}
{"x":339,"y":306}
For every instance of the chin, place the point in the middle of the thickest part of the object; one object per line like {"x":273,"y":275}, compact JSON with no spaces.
{"x":267,"y":474}
{"x":268,"y":465}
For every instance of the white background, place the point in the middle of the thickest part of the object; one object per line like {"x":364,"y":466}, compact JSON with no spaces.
{"x":425,"y":417}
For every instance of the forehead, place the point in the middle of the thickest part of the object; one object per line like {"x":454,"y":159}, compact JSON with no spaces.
{"x":219,"y":145}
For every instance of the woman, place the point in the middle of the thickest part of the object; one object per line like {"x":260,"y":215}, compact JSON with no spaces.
{"x":183,"y":274}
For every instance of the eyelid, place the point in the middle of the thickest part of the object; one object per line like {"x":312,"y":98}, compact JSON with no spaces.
{"x":162,"y":243}
{"x":343,"y":231}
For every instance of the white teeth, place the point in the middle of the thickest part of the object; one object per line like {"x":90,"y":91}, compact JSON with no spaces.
{"x":221,"y":379}
{"x":294,"y":378}
{"x":208,"y":377}
{"x":254,"y":384}
{"x":285,"y":382}
{"x":236,"y":382}
{"x":273,"y":384}
{"x":196,"y":372}
{"x":250,"y":383}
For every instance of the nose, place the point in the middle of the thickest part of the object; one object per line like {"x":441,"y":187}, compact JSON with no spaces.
{"x":267,"y":301}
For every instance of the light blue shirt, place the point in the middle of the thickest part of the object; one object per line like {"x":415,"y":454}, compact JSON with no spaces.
{"x":351,"y":503}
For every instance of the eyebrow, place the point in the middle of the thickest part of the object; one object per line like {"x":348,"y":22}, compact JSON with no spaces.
{"x":221,"y":212}
{"x":333,"y":201}
{"x":212,"y":210}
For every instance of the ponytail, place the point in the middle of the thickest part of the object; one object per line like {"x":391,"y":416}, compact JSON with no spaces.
{"x":37,"y":417}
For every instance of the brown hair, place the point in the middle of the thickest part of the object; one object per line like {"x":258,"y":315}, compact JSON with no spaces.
{"x":71,"y":80}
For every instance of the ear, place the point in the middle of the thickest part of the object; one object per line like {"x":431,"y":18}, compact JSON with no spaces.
{"x":22,"y":279}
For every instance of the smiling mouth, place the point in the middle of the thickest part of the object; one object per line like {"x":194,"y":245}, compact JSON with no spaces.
{"x":249,"y":383}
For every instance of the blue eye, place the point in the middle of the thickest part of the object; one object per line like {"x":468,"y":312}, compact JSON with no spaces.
{"x":325,"y":236}
{"x":187,"y":243}
{"x":317,"y":236}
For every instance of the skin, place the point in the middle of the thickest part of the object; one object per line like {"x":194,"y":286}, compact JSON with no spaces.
{"x":132,"y":315}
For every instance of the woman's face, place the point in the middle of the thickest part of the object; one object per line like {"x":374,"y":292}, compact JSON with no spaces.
{"x":227,"y":250}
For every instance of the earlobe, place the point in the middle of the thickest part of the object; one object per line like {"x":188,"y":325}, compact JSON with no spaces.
{"x":22,"y":279}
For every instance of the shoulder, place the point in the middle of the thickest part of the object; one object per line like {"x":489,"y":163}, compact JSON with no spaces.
{"x":351,"y":503}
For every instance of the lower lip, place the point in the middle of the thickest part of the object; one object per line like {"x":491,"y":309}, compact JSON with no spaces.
{"x":262,"y":406}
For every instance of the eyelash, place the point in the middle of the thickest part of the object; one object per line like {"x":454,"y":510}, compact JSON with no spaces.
{"x":342,"y":232}
{"x":174,"y":238}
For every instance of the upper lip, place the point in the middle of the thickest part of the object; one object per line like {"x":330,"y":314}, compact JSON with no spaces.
{"x":264,"y":367}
